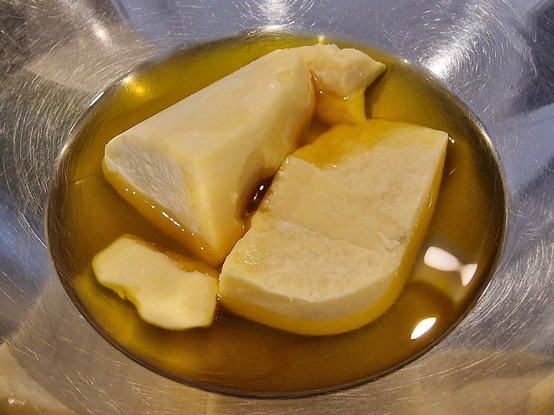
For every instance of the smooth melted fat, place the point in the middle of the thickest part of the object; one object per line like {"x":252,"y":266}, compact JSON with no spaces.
{"x":234,"y":354}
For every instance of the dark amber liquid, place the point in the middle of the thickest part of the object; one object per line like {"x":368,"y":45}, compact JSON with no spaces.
{"x":238,"y":356}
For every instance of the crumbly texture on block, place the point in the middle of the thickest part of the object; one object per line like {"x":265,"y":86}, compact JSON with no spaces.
{"x":307,"y":195}
{"x":378,"y":175}
{"x":318,"y":275}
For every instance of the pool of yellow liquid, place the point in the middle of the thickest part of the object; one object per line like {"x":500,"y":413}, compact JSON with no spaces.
{"x":238,"y":356}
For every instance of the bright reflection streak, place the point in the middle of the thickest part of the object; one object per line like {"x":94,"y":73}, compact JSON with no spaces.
{"x":101,"y":33}
{"x":275,"y":11}
{"x":96,"y":98}
{"x":442,"y":260}
{"x":449,"y":57}
{"x":423,"y":327}
{"x":441,"y":65}
{"x":467,"y":272}
{"x":135,"y":86}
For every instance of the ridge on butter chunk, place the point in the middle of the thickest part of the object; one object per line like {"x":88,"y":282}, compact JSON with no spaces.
{"x":190,"y":167}
{"x":168,"y":292}
{"x":334,"y":240}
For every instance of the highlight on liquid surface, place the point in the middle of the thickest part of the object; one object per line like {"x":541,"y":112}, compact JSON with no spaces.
{"x":238,"y":356}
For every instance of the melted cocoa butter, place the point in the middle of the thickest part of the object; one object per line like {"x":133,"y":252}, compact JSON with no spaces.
{"x":241,"y":356}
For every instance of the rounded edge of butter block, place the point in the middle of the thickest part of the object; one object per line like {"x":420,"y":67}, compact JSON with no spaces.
{"x":312,"y":318}
{"x":322,"y":327}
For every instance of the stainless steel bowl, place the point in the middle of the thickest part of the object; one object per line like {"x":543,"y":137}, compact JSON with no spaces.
{"x":59,"y":55}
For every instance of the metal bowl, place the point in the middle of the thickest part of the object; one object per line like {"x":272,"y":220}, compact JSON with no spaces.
{"x":496,"y":56}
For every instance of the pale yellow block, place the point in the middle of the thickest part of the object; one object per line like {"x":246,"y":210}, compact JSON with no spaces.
{"x":340,"y":71}
{"x":166,"y":290}
{"x":341,"y":77}
{"x":312,"y":197}
{"x":193,"y":164}
{"x":335,"y":211}
{"x":190,"y":168}
{"x":394,"y":166}
{"x":287,"y":276}
{"x":370,"y":181}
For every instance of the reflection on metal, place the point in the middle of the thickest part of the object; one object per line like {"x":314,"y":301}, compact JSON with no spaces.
{"x":135,"y":87}
{"x":423,"y":327}
{"x":101,"y":33}
{"x":96,"y":98}
{"x":276,"y":12}
{"x":442,"y":260}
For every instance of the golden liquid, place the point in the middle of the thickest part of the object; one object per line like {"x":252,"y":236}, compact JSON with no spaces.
{"x":235,"y":355}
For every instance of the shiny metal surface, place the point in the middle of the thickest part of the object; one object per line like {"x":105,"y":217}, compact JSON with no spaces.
{"x":58,"y":55}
